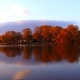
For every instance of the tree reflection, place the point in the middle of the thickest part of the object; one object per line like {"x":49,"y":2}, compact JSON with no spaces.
{"x":46,"y":53}
{"x":56,"y":53}
{"x":11,"y":51}
{"x":27,"y":52}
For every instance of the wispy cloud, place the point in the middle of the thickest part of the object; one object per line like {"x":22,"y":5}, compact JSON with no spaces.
{"x":42,"y":20}
{"x":4,"y":15}
{"x":19,"y":10}
{"x":21,"y":74}
{"x":14,"y":13}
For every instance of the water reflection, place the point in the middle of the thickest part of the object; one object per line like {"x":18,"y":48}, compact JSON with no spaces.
{"x":11,"y":51}
{"x":27,"y":52}
{"x":46,"y":53}
{"x":56,"y":53}
{"x":20,"y":74}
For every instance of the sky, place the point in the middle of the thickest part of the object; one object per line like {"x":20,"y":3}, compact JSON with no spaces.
{"x":16,"y":10}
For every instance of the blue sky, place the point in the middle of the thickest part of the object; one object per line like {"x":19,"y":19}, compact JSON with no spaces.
{"x":16,"y":10}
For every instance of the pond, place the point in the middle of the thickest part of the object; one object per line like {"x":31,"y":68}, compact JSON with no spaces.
{"x":39,"y":62}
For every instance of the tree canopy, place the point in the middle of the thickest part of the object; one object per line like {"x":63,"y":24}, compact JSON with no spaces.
{"x":44,"y":33}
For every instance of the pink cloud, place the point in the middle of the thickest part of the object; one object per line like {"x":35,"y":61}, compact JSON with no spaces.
{"x":20,"y":74}
{"x":19,"y":10}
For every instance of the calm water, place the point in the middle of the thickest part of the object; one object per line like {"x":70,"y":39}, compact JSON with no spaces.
{"x":40,"y":62}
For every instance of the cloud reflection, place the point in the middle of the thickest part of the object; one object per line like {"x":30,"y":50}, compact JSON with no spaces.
{"x":42,"y":64}
{"x":21,"y":74}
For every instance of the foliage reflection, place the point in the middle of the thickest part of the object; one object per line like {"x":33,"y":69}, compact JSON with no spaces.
{"x":46,"y":53}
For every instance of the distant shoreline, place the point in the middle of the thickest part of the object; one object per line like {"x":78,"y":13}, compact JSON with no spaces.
{"x":37,"y":43}
{"x":29,"y":43}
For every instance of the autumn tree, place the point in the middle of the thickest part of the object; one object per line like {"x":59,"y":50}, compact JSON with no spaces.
{"x":18,"y":36}
{"x":27,"y":34}
{"x":10,"y":37}
{"x":63,"y":37}
{"x":55,"y":30}
{"x":45,"y":32}
{"x":4,"y":38}
{"x":37,"y":34}
{"x":75,"y":37}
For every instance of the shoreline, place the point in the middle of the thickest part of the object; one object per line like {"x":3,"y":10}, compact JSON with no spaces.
{"x":37,"y":43}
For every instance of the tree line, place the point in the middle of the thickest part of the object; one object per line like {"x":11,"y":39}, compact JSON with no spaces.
{"x":44,"y":33}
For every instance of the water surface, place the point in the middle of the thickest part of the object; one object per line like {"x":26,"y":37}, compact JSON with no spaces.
{"x":40,"y":62}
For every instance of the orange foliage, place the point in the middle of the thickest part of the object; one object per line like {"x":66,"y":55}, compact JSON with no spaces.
{"x":44,"y":33}
{"x":37,"y":34}
{"x":27,"y":34}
